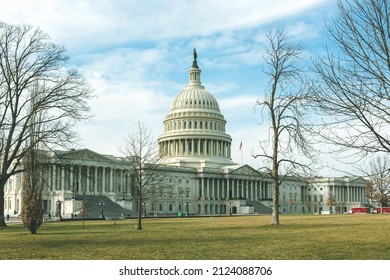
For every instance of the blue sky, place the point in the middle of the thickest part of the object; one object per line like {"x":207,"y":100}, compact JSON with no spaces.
{"x":136,"y":56}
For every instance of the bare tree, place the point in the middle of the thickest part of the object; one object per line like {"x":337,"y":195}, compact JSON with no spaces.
{"x":330,"y":202}
{"x":352,"y":90}
{"x":34,"y":165}
{"x":378,"y":188}
{"x":30,"y":62}
{"x":284,"y":106}
{"x":84,"y":209}
{"x":33,"y":186}
{"x":140,"y":149}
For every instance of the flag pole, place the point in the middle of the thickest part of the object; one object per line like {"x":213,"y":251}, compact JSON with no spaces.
{"x":242,"y":162}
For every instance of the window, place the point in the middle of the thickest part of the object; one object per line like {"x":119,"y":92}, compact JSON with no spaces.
{"x":170,"y":207}
{"x":161,"y":207}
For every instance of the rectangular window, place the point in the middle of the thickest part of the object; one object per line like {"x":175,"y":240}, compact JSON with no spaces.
{"x":161,"y":207}
{"x":170,"y":207}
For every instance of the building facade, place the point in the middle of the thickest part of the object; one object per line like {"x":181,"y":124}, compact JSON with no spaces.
{"x":200,"y":177}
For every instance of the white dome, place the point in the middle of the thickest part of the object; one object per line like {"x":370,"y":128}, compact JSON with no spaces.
{"x":194,"y":129}
{"x":194,"y":97}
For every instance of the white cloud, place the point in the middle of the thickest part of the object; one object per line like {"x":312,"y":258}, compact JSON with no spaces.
{"x":78,"y":23}
{"x":136,"y":55}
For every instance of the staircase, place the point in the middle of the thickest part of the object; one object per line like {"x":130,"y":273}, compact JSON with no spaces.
{"x":259,"y":208}
{"x":110,"y":208}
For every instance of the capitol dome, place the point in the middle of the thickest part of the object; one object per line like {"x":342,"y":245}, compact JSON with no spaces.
{"x":194,"y":129}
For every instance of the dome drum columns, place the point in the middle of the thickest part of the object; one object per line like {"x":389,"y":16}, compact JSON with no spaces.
{"x":195,"y":147}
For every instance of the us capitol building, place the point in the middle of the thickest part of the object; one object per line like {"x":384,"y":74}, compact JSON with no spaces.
{"x":200,"y":176}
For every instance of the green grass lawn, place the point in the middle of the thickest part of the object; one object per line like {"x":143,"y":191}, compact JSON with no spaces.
{"x":299,"y":237}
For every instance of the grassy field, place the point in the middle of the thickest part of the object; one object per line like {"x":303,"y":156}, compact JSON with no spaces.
{"x":300,"y":237}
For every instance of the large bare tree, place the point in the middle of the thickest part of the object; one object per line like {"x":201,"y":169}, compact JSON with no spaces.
{"x":140,"y":149}
{"x":30,"y":63}
{"x":352,"y":90}
{"x":284,"y":107}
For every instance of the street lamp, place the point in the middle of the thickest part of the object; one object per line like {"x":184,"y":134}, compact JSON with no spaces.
{"x":102,"y":203}
{"x":187,"y":207}
{"x":230,"y":208}
{"x":182,"y":200}
{"x":144,"y":205}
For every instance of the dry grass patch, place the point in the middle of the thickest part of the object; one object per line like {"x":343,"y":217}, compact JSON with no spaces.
{"x":249,"y":237}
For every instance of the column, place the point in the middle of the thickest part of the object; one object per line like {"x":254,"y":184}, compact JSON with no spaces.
{"x":103,"y":179}
{"x":228,"y":190}
{"x":111,"y":179}
{"x":79,"y":180}
{"x":202,"y":187}
{"x":54,"y":176}
{"x":88,"y":181}
{"x":96,"y":180}
{"x":212,"y":189}
{"x":72,"y":186}
{"x":62,"y":187}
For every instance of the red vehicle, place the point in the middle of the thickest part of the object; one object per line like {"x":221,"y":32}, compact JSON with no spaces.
{"x":360,"y":210}
{"x":365,"y":210}
{"x":386,"y":210}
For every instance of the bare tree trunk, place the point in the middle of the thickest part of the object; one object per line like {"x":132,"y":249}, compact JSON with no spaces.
{"x":2,"y":220}
{"x":139,"y":226}
{"x":275,"y":181}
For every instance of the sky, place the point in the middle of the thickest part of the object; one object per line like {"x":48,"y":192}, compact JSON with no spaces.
{"x":136,"y":56}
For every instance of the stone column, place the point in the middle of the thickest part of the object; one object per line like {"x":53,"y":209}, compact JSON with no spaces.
{"x":218,"y":190}
{"x":54,"y":176}
{"x":88,"y":179}
{"x":79,"y":180}
{"x":212,"y":196}
{"x":228,"y":190}
{"x":111,"y":179}
{"x":202,"y":187}
{"x":72,"y":185}
{"x":62,"y":187}
{"x":103,"y":179}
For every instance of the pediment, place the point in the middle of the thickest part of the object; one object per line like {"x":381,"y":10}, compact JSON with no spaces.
{"x":85,"y":154}
{"x":245,"y":170}
{"x":358,"y":180}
